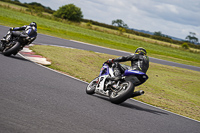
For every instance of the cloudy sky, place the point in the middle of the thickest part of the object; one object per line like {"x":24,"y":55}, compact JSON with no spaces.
{"x":172,"y":17}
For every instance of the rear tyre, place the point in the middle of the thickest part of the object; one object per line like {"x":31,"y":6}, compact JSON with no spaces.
{"x":12,"y":50}
{"x":91,"y":87}
{"x":126,"y":90}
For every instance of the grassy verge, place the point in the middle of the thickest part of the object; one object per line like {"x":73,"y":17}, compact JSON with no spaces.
{"x":170,"y":88}
{"x":76,"y":32}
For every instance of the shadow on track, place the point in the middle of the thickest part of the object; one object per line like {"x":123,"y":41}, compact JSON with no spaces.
{"x":16,"y":57}
{"x":19,"y":58}
{"x":132,"y":106}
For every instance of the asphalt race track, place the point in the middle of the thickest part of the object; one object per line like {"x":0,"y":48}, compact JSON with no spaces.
{"x":34,"y":99}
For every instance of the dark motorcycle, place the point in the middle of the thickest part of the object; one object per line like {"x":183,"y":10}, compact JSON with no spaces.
{"x":12,"y":44}
{"x":117,"y":89}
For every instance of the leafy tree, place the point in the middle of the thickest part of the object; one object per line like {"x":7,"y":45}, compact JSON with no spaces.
{"x":119,"y":23}
{"x":38,"y":8}
{"x":161,"y":36}
{"x":35,"y":4}
{"x":191,"y":38}
{"x":121,"y":30}
{"x":159,"y":33}
{"x":70,"y":12}
{"x":185,"y":45}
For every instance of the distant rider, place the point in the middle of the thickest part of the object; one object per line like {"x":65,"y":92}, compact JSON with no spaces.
{"x":30,"y":30}
{"x":139,"y":61}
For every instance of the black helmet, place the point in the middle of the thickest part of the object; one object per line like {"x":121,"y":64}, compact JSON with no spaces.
{"x":141,"y":50}
{"x":33,"y":24}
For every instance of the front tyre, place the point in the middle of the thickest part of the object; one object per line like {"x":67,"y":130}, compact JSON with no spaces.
{"x":1,"y":46}
{"x":92,"y":86}
{"x":12,"y":50}
{"x":125,"y":91}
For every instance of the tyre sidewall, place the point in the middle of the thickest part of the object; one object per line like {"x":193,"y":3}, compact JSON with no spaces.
{"x":12,"y":50}
{"x":1,"y":46}
{"x":90,"y":90}
{"x":124,"y":96}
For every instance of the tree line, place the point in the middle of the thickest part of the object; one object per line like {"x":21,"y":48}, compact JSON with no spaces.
{"x":31,"y":6}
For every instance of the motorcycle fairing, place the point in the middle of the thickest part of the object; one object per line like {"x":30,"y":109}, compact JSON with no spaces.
{"x":105,"y":72}
{"x":135,"y":73}
{"x":100,"y":85}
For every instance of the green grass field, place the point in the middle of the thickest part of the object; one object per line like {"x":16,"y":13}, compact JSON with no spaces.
{"x":171,"y":88}
{"x":70,"y":31}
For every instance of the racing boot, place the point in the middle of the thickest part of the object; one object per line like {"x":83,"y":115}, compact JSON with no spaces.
{"x":137,"y":93}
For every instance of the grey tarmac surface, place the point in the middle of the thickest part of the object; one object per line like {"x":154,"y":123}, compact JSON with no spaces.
{"x":35,"y":99}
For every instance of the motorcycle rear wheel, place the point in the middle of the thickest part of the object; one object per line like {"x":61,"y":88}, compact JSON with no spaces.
{"x":13,"y":50}
{"x":125,"y":93}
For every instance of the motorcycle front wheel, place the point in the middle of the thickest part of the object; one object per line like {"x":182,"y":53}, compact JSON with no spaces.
{"x":12,"y":50}
{"x":123,"y":93}
{"x":92,"y":86}
{"x":1,"y":46}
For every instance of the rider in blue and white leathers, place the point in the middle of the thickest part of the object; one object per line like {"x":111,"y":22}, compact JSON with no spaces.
{"x":30,"y":30}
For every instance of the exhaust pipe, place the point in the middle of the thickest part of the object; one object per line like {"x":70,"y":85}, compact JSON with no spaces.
{"x":137,"y":93}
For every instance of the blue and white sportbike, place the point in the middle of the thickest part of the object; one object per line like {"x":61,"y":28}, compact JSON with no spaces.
{"x":118,"y":89}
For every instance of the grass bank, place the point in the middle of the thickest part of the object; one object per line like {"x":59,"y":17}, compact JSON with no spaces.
{"x":67,"y":30}
{"x":171,"y":88}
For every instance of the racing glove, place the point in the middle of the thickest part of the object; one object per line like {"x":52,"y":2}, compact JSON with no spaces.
{"x":109,"y":62}
{"x":11,"y":29}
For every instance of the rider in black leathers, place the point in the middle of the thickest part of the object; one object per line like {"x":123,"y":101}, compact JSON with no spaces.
{"x":139,"y":61}
{"x":30,"y":30}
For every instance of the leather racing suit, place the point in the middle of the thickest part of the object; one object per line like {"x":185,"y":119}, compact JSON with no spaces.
{"x":138,"y":62}
{"x":26,"y":30}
